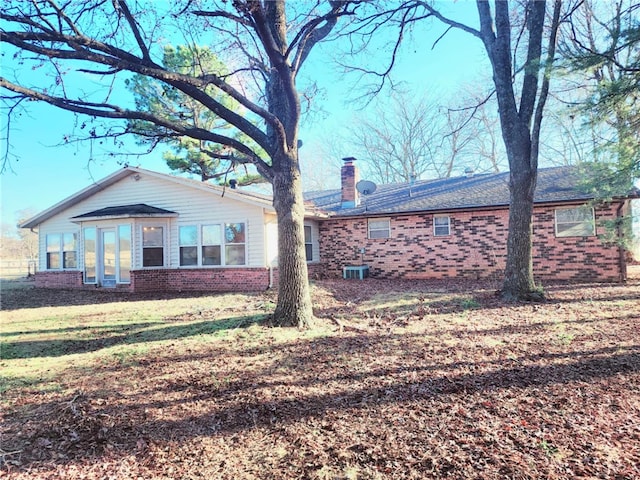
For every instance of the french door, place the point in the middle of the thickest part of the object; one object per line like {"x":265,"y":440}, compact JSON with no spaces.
{"x":108,"y":258}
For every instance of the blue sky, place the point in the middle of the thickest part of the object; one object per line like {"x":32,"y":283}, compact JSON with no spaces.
{"x":44,"y":170}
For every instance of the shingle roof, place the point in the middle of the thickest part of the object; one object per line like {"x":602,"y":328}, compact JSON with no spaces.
{"x":137,"y":210}
{"x":558,"y":184}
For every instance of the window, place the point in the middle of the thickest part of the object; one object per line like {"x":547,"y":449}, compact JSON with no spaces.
{"x":234,"y":248}
{"x":211,"y":245}
{"x":53,"y":251}
{"x":188,"y":238}
{"x":124,"y":253}
{"x":61,"y":251}
{"x":308,"y":245}
{"x":441,"y":226}
{"x":89,"y":255}
{"x":379,"y":228}
{"x":152,"y":246}
{"x":575,"y":222}
{"x":69,"y":254}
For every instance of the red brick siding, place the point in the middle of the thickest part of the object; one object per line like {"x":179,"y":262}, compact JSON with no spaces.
{"x":576,"y":258}
{"x":475,"y":249}
{"x":213,"y":280}
{"x":159,"y":280}
{"x":59,"y":279}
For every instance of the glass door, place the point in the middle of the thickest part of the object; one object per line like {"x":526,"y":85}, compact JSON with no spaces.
{"x":108,"y":258}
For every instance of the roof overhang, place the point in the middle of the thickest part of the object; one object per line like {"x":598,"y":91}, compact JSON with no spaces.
{"x":476,"y":208}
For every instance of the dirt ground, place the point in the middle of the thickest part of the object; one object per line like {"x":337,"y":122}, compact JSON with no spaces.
{"x":405,"y":380}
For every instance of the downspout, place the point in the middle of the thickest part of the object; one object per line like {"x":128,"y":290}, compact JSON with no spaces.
{"x":621,"y":249}
{"x":36,"y":266}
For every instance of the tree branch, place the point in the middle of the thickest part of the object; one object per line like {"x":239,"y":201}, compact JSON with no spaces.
{"x":104,"y":110}
{"x":121,"y":60}
{"x":535,"y":20}
{"x":135,"y":29}
{"x":544,"y":90}
{"x":449,"y":21}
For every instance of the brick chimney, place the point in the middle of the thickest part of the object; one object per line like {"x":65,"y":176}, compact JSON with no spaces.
{"x":349,"y":176}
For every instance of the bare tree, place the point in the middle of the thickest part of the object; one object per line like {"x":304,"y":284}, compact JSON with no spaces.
{"x":514,"y":45}
{"x":465,"y":138}
{"x":264,"y":43}
{"x":404,"y":137}
{"x":478,"y":116}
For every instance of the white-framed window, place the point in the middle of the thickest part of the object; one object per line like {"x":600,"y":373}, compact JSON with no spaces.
{"x":211,"y":245}
{"x":441,"y":225}
{"x":205,"y":245}
{"x":62,"y":251}
{"x":90,"y":254}
{"x":575,"y":221}
{"x":234,"y":244}
{"x":69,"y":250}
{"x":188,"y":240}
{"x":153,"y":246}
{"x":124,"y":253}
{"x":379,"y":228}
{"x":53,"y":251}
{"x":308,"y":243}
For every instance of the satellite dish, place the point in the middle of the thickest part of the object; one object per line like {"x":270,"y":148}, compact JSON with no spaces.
{"x":366,"y":187}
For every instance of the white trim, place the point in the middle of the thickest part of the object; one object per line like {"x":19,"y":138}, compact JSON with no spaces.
{"x":165,"y":244}
{"x":567,"y":233}
{"x":388,"y":229}
{"x":223,"y":244}
{"x":448,"y":225}
{"x":61,"y":251}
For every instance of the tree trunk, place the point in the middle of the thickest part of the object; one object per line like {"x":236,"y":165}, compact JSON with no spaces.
{"x":294,"y":307}
{"x":518,"y":280}
{"x":520,"y":142}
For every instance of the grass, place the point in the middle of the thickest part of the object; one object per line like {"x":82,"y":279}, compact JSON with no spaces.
{"x":37,"y":345}
{"x":411,"y":381}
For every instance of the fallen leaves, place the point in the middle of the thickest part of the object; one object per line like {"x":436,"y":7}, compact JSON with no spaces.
{"x":421,"y":381}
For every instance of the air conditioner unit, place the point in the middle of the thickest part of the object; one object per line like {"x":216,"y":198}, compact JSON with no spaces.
{"x":357,"y":272}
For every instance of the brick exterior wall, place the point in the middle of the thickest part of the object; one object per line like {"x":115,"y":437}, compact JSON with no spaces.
{"x":205,"y":280}
{"x":576,"y":258}
{"x":59,"y":279}
{"x":475,"y":249}
{"x":173,"y":280}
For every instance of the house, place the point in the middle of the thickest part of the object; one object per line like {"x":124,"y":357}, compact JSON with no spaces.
{"x":143,"y":231}
{"x":457,"y":228}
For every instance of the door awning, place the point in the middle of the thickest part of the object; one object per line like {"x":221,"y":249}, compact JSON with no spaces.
{"x":139,"y":210}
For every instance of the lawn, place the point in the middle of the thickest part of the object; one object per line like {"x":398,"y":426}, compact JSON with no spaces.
{"x":399,"y":380}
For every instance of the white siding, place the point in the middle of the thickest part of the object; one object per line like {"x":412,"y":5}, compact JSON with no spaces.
{"x":192,"y":205}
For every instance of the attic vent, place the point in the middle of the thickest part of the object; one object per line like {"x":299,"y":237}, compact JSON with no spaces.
{"x":468,"y":172}
{"x":233,"y":183}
